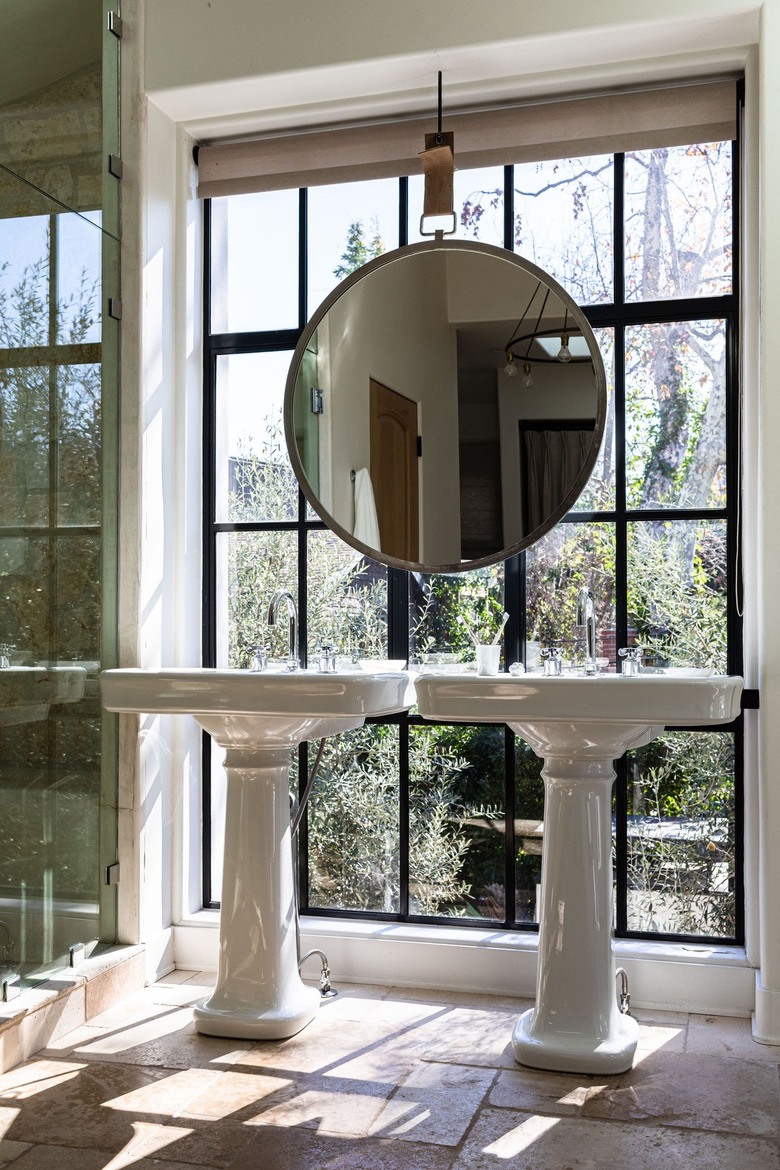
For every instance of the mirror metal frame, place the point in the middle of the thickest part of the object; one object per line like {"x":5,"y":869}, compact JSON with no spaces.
{"x":398,"y":255}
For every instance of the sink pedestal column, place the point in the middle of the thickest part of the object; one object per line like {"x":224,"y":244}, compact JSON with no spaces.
{"x":576,"y":1024}
{"x":259,"y":993}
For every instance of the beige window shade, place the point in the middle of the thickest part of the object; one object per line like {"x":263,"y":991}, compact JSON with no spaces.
{"x":632,"y":120}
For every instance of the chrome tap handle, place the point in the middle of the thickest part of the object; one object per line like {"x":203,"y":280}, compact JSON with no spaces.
{"x":327,"y":658}
{"x":632,"y":659}
{"x":260,"y":658}
{"x":552,"y":658}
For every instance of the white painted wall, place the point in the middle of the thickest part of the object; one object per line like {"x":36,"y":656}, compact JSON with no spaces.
{"x":215,"y":67}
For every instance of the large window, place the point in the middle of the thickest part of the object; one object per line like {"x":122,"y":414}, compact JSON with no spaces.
{"x":423,"y":822}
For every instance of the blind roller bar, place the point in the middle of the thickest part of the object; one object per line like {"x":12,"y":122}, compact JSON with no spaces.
{"x":572,"y":128}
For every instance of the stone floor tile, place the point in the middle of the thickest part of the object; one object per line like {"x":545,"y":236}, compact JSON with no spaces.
{"x":525,"y":1141}
{"x":43,"y":1157}
{"x":538,"y":1091}
{"x":694,"y":1092}
{"x":182,"y":992}
{"x":300,"y":1149}
{"x":728,"y":1036}
{"x":167,"y":1040}
{"x":475,"y":1036}
{"x":214,"y":1144}
{"x":462,"y":999}
{"x":436,"y":1103}
{"x":333,"y":1046}
{"x":10,"y":1151}
{"x":73,"y":1109}
{"x":341,"y":1114}
{"x":236,"y":1095}
{"x":374,"y":1003}
{"x":170,"y":1096}
{"x":659,"y":1038}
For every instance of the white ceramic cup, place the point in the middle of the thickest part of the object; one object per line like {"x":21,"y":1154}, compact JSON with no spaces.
{"x":488,"y":659}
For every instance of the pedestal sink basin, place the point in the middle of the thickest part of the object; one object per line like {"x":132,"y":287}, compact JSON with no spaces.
{"x":258,"y":718}
{"x":579,"y":726}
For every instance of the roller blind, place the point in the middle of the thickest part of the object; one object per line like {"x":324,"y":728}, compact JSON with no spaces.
{"x":603,"y":124}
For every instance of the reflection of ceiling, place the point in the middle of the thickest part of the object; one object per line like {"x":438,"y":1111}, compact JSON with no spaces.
{"x":46,"y":40}
{"x":482,"y":345}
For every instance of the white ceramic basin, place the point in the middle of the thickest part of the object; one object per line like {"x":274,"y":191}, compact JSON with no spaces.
{"x":642,"y":702}
{"x":579,"y":726}
{"x":258,"y":717}
{"x":266,"y":707}
{"x":27,"y":692}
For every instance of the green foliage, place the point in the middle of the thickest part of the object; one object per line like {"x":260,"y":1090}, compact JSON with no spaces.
{"x":359,"y":250}
{"x":681,"y":862}
{"x":354,"y":826}
{"x":677,"y":599}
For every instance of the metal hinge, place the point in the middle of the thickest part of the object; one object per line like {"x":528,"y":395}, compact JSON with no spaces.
{"x":316,"y":400}
{"x":419,"y":446}
{"x":112,"y":874}
{"x":115,"y":166}
{"x":115,"y":25}
{"x":115,"y":308}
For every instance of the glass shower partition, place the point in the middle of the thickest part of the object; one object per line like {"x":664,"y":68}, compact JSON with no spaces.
{"x":59,"y":348}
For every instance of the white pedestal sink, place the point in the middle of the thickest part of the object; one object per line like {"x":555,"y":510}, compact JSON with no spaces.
{"x":579,"y":726}
{"x":258,"y":718}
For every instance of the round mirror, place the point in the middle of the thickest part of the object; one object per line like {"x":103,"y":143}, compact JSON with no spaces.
{"x":445,"y":406}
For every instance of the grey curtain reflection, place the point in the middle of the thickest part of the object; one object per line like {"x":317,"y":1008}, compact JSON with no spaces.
{"x":552,"y":459}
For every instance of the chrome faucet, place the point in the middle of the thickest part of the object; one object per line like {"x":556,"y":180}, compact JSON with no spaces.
{"x":586,"y":617}
{"x":284,"y":595}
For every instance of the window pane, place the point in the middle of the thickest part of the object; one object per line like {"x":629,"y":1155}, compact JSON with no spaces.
{"x":598,"y":495}
{"x":681,"y":835}
{"x":25,"y":402}
{"x":456,"y":822}
{"x":78,"y":460}
{"x":677,"y":573}
{"x":254,"y":262}
{"x":353,"y":823}
{"x":79,"y":245}
{"x":478,"y":202}
{"x":76,"y":598}
{"x":563,"y":223}
{"x":348,"y":225}
{"x":557,"y":567}
{"x":254,"y":478}
{"x":529,"y":831}
{"x":678,"y":222}
{"x":251,"y":566}
{"x":445,"y":607}
{"x":676,"y":415}
{"x":50,"y":815}
{"x":347,"y":600}
{"x":24,"y":281}
{"x":50,"y":597}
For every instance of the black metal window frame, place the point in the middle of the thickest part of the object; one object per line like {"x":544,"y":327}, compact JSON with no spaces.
{"x":617,"y":316}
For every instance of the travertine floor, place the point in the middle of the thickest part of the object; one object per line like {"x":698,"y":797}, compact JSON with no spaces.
{"x":384,"y":1078}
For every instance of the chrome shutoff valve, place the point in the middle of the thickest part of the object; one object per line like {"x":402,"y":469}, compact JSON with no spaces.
{"x":552,"y":659}
{"x":632,"y":659}
{"x":327,"y":659}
